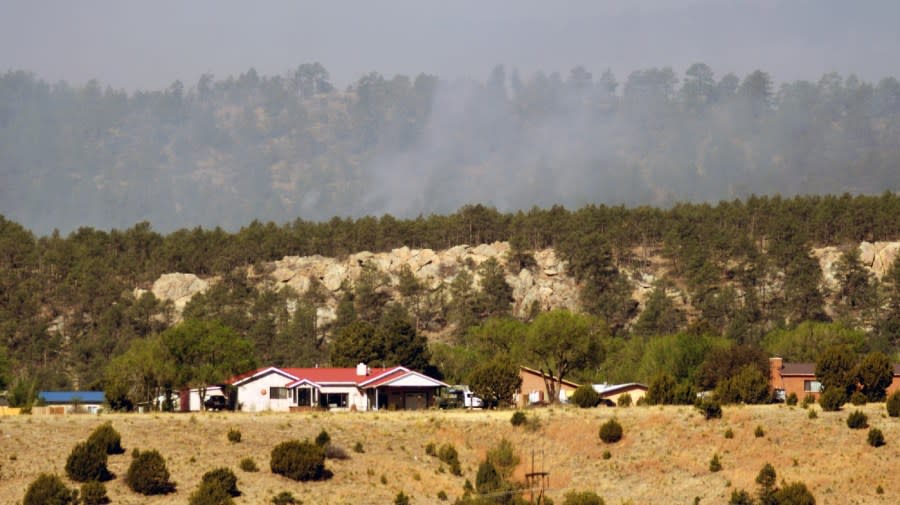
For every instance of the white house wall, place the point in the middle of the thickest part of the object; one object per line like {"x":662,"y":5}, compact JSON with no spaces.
{"x":355,"y":397}
{"x":413,"y":380}
{"x":253,"y":396}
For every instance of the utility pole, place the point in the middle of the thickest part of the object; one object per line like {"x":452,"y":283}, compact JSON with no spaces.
{"x":540,"y":480}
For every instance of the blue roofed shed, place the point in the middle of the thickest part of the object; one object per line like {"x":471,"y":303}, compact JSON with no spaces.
{"x":68,"y":402}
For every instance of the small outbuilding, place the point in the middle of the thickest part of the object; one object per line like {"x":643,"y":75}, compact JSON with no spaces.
{"x":72,"y":402}
{"x":610,"y":393}
{"x":533,"y":390}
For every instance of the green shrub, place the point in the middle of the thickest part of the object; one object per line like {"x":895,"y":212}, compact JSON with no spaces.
{"x":442,"y":495}
{"x":448,"y":454}
{"x":794,"y":493}
{"x":210,"y":494}
{"x":585,"y":396}
{"x":234,"y":435}
{"x":248,"y":465}
{"x":488,"y":479}
{"x":358,"y":448}
{"x":611,"y":431}
{"x":108,"y":438}
{"x":606,"y":454}
{"x":87,"y":462}
{"x":759,"y":432}
{"x":791,"y":399}
{"x":503,"y":457}
{"x":893,"y":404}
{"x":876,"y":437}
{"x":710,"y":408}
{"x":518,"y":418}
{"x":323,"y":438}
{"x":714,"y":464}
{"x":832,"y":399}
{"x":401,"y":499}
{"x":812,"y":414}
{"x":94,"y":493}
{"x":857,"y":398}
{"x":223,"y":478}
{"x":147,"y":473}
{"x":285,"y":498}
{"x":582,"y":498}
{"x":624,"y":400}
{"x":297,"y":460}
{"x":430,"y":449}
{"x":729,"y":433}
{"x":740,"y":497}
{"x":49,"y":489}
{"x":857,"y":420}
{"x":808,"y":400}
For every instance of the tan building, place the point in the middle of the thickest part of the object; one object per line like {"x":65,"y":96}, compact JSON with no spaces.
{"x":610,"y":393}
{"x":800,"y":378}
{"x":533,"y":390}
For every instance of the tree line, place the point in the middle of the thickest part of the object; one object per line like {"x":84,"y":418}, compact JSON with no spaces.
{"x":740,"y":273}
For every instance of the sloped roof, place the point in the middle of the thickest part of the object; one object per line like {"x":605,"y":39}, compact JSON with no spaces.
{"x":397,"y":374}
{"x":540,"y":374}
{"x":58,"y":397}
{"x":809,"y":369}
{"x":611,"y":389}
{"x":798,"y":369}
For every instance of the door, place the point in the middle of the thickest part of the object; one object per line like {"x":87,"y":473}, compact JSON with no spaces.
{"x":415,"y":401}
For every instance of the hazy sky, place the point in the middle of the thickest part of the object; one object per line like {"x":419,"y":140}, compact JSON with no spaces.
{"x":148,"y":45}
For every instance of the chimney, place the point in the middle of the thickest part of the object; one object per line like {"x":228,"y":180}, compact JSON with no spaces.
{"x":362,"y":370}
{"x":775,"y":366}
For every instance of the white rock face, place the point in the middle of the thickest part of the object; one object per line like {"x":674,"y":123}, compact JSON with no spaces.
{"x":178,"y":288}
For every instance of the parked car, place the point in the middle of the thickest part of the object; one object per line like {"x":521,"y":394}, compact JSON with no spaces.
{"x":216,"y":402}
{"x":459,"y":397}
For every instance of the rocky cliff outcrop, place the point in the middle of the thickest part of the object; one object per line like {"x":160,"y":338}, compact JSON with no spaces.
{"x":547,"y":284}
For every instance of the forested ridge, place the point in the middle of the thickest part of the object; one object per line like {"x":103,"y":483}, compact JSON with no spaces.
{"x":69,"y":315}
{"x":222,"y":152}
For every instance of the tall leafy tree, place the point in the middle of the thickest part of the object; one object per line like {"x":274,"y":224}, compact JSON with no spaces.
{"x":560,"y":342}
{"x":207,"y":353}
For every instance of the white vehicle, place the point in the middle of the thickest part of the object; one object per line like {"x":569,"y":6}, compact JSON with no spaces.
{"x":461,"y":396}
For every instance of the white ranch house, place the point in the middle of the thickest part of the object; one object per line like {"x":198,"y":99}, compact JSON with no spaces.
{"x":361,"y":388}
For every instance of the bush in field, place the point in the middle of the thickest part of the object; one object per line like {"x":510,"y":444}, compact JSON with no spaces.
{"x":401,"y":499}
{"x":893,"y":404}
{"x":503,"y":457}
{"x":795,"y":493}
{"x":876,"y":437}
{"x":585,"y":396}
{"x":234,"y":435}
{"x":624,"y":400}
{"x":94,"y":493}
{"x":857,"y":398}
{"x":808,"y":400}
{"x":715,"y":464}
{"x":582,"y":498}
{"x":759,"y":432}
{"x":223,"y":478}
{"x":832,"y":400}
{"x":248,"y":465}
{"x":740,"y":497}
{"x":108,"y":438}
{"x":611,"y":431}
{"x":791,"y":399}
{"x":148,"y":474}
{"x":49,"y":490}
{"x":857,"y":420}
{"x":448,"y":454}
{"x":323,"y":438}
{"x":518,"y":418}
{"x":297,"y":460}
{"x":710,"y":408}
{"x":488,"y":479}
{"x":285,"y":498}
{"x":87,"y":462}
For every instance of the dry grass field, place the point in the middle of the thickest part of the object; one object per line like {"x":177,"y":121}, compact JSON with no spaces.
{"x":662,"y":459}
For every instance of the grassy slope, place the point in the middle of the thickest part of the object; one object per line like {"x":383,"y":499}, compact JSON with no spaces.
{"x":663,"y":458}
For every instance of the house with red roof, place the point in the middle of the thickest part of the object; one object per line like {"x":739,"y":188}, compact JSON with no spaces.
{"x":361,"y":388}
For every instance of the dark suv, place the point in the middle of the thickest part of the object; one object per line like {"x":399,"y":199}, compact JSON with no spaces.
{"x":216,"y":403}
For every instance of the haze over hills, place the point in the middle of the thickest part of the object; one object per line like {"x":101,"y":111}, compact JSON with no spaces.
{"x":224,"y":152}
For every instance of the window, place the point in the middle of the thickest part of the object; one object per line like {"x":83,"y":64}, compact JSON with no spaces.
{"x":334,"y":400}
{"x":279,"y":393}
{"x":812,"y":386}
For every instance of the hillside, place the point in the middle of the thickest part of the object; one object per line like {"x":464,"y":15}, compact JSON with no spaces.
{"x":663,"y":457}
